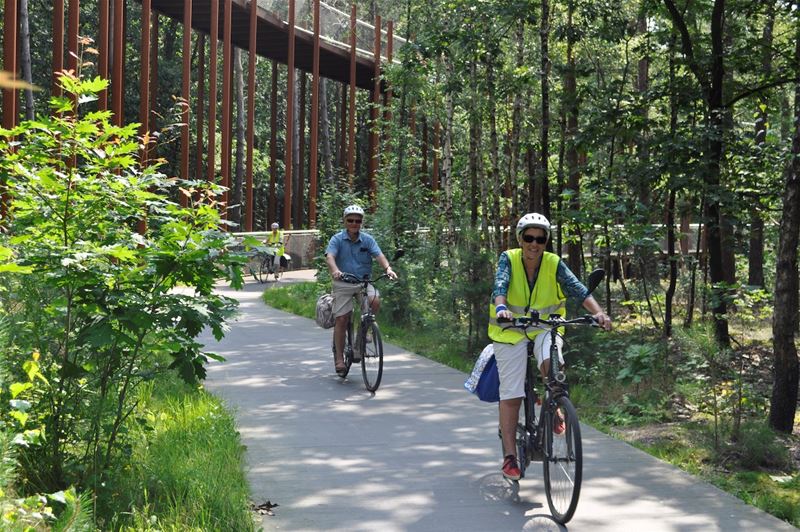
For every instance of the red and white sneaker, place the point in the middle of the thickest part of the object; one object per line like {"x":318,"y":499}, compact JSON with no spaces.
{"x":511,"y":468}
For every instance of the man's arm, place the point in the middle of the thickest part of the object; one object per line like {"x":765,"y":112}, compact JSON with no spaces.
{"x":383,"y":262}
{"x":330,"y":259}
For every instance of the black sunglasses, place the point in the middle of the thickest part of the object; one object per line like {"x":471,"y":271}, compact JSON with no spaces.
{"x":354,"y":221}
{"x":537,"y":239}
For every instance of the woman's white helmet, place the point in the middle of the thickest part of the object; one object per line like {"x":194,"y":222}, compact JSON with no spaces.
{"x":533,"y":219}
{"x":353,"y":209}
{"x":275,"y":225}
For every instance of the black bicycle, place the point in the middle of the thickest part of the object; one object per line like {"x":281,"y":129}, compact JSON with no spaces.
{"x":555,"y":438}
{"x":368,"y":346}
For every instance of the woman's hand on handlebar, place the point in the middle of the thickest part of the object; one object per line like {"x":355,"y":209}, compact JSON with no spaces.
{"x":603,"y":320}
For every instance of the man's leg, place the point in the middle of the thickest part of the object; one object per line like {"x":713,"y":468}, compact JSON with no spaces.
{"x":339,"y":332}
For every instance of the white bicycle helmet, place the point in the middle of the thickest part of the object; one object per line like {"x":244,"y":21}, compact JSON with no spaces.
{"x":275,"y":225}
{"x":353,"y":209}
{"x":533,"y":219}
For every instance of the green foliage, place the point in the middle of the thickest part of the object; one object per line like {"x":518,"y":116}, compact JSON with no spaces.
{"x":100,"y":253}
{"x":187,"y":464}
{"x":639,"y":363}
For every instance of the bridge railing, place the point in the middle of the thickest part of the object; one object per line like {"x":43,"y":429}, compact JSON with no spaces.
{"x":334,"y":26}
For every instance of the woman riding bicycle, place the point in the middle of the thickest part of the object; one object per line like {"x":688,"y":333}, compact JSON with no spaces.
{"x":277,"y":240}
{"x":528,"y":278}
{"x":351,"y":251}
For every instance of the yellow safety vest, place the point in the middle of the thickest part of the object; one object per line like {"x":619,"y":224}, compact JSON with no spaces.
{"x":276,"y":239}
{"x":546,"y":297}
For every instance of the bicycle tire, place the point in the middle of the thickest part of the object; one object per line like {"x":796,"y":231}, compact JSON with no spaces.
{"x":371,"y":356}
{"x":347,"y":352}
{"x":563,"y":460}
{"x":263,"y":270}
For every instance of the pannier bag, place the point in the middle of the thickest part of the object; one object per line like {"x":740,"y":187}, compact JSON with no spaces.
{"x":484,"y":381}
{"x":324,"y":316}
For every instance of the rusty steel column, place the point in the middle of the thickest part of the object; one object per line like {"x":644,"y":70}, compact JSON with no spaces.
{"x":58,"y":43}
{"x":144,"y":78}
{"x":186,"y":80}
{"x":226,"y":106}
{"x":9,"y":95}
{"x":351,"y":123}
{"x":312,"y":156}
{"x":373,"y":114}
{"x":102,"y":49}
{"x":212,"y":93}
{"x":117,"y":81}
{"x":301,"y":148}
{"x":272,"y":212}
{"x":287,"y":183}
{"x":343,"y":128}
{"x":251,"y":106}
{"x":201,"y":95}
{"x":72,"y":35}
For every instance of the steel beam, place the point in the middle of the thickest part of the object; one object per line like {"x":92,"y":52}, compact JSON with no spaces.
{"x":287,"y":183}
{"x":312,"y":163}
{"x":251,"y":105}
{"x":186,"y":80}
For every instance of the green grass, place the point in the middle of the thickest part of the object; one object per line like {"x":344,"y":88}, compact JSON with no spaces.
{"x":186,"y":467}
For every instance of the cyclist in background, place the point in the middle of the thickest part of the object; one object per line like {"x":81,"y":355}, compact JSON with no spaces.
{"x":529,"y":278}
{"x":276,"y":240}
{"x":351,"y":251}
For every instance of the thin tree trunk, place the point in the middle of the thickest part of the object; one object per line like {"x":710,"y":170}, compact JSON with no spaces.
{"x":544,"y":154}
{"x":574,"y":248}
{"x":494,"y":155}
{"x":755,"y":256}
{"x":785,"y":318}
{"x":672,"y":260}
{"x":474,"y":125}
{"x":324,"y":129}
{"x":25,"y":56}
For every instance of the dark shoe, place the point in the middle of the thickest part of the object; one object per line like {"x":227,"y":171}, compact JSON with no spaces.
{"x":559,"y":426}
{"x":341,"y":369}
{"x":511,"y":468}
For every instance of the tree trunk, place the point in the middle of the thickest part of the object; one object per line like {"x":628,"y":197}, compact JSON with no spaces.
{"x":785,"y":318}
{"x":25,"y":56}
{"x":712,"y":84}
{"x":671,"y":239}
{"x":493,"y":176}
{"x":755,"y":256}
{"x":544,"y":154}
{"x":324,"y":129}
{"x":574,"y":247}
{"x":474,"y":125}
{"x":238,"y":179}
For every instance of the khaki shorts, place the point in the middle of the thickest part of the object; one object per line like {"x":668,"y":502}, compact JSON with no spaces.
{"x":512,"y":358}
{"x":343,"y":296}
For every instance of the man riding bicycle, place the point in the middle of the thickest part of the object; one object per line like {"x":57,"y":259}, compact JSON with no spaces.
{"x":529,"y":278}
{"x":351,"y":251}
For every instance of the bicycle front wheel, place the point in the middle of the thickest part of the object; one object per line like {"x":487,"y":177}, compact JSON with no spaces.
{"x":563,"y":461}
{"x":372,"y":356}
{"x":263,"y":271}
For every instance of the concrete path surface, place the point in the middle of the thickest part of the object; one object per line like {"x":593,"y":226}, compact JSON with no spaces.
{"x":421,"y":454}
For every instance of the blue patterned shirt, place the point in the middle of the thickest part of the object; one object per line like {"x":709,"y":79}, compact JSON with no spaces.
{"x":570,"y":285}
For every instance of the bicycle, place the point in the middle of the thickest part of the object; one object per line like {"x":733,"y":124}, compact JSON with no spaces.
{"x":555,"y":438}
{"x":368,"y":346}
{"x":263,"y":264}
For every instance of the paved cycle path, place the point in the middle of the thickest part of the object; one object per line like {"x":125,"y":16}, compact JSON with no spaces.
{"x":421,"y":454}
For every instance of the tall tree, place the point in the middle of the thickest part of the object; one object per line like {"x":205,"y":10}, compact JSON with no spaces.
{"x":785,"y":318}
{"x":710,"y":79}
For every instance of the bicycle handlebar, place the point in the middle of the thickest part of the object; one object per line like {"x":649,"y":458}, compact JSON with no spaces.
{"x":354,"y":279}
{"x":553,"y":321}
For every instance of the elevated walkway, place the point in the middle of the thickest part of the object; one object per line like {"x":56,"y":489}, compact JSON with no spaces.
{"x":272,"y":35}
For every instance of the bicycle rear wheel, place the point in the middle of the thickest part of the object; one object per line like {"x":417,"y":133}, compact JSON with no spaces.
{"x":563,"y":461}
{"x":372,"y":356}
